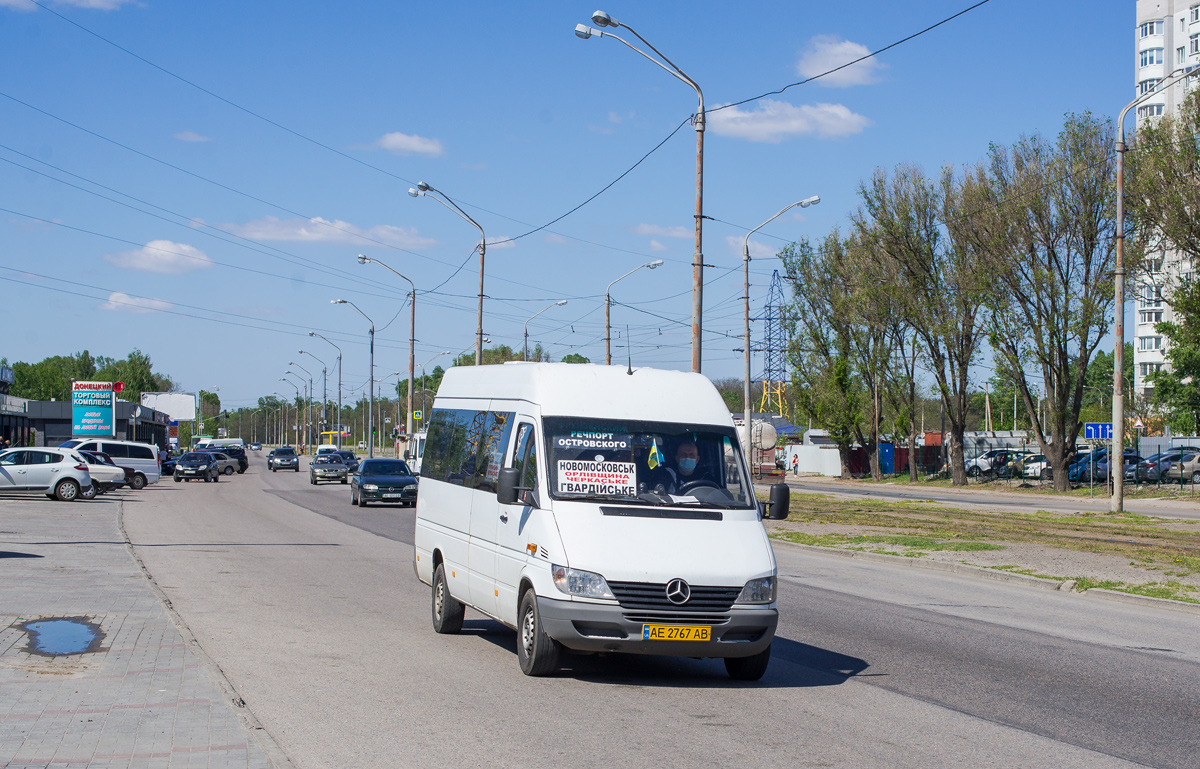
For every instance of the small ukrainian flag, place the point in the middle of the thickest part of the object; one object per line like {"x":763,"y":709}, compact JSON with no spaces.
{"x":655,"y":458}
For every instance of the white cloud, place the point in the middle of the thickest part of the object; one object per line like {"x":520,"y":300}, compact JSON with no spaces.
{"x":192,"y":136}
{"x":500,"y":241}
{"x":557,"y":240}
{"x":320,"y":230}
{"x":663,"y":232}
{"x":773,"y":121}
{"x":163,"y":257}
{"x":98,"y":5}
{"x":825,"y":52}
{"x":119,"y":301}
{"x":656,"y":246}
{"x":757,"y":250}
{"x":409,"y":144}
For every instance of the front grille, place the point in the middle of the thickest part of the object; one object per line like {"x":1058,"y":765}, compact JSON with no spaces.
{"x":653,"y":596}
{"x":669,"y":618}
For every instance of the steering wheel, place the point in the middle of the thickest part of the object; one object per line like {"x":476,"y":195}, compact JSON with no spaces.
{"x":687,"y":486}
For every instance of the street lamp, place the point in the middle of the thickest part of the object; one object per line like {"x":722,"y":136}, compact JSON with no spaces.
{"x":525,"y":353}
{"x":296,"y":429}
{"x":324,"y":388}
{"x":426,"y":190}
{"x":602,"y":19}
{"x":423,"y":365}
{"x":608,"y":307}
{"x":307,"y":403}
{"x":811,"y":201}
{"x":412,"y":337}
{"x":339,"y":414}
{"x":370,"y":379}
{"x":1117,"y":503}
{"x":309,"y":394}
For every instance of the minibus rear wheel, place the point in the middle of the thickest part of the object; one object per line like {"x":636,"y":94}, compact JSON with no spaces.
{"x":447,"y":612}
{"x":749,"y":668}
{"x":536,"y":651}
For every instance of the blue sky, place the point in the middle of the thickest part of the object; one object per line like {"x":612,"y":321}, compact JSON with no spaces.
{"x":510,"y":114}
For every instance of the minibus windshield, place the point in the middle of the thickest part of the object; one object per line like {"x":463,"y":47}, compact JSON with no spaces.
{"x":652,"y":463}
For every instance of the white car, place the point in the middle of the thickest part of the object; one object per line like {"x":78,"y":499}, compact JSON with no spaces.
{"x":58,"y":473}
{"x":1037,"y":466}
{"x":106,"y":476}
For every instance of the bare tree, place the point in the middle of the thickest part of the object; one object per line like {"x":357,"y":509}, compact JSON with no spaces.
{"x":937,"y":287}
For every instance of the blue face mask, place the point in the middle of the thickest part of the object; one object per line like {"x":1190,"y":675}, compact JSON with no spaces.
{"x":687,"y":465}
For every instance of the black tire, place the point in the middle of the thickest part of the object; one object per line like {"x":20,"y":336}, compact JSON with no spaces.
{"x":344,"y":480}
{"x":446,"y":612}
{"x":217,"y":476}
{"x":67,"y":490}
{"x":228,"y":471}
{"x":748,"y":668}
{"x":272,"y":469}
{"x":241,"y":470}
{"x":537,"y":652}
{"x":297,"y":467}
{"x":208,"y":477}
{"x":139,"y":482}
{"x":312,"y":480}
{"x":353,"y":498}
{"x":362,"y":502}
{"x":178,"y":479}
{"x":1046,"y":474}
{"x":91,"y":491}
{"x":973,"y":471}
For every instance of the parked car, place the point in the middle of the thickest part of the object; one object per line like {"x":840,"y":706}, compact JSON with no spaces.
{"x":59,"y":473}
{"x":106,"y":476}
{"x":284,"y":458}
{"x":383,"y":480}
{"x":328,"y":467}
{"x":988,"y":462}
{"x":1035,"y":466}
{"x":197,"y":465}
{"x":1153,"y":468}
{"x":142,"y":457}
{"x":1131,"y":460}
{"x":1186,"y":467}
{"x":1081,"y":468}
{"x":167,"y":462}
{"x":226,"y":465}
{"x":350,"y":459}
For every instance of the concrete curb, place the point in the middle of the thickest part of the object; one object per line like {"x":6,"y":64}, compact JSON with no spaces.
{"x":1000,"y":576}
{"x":266,"y":741}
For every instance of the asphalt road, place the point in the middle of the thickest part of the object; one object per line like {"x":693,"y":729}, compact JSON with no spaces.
{"x":311,"y":608}
{"x":1005,"y":501}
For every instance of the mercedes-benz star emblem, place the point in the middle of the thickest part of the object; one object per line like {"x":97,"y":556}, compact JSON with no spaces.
{"x":678,"y":591}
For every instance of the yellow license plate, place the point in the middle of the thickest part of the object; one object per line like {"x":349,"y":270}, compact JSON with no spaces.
{"x":676,"y":633}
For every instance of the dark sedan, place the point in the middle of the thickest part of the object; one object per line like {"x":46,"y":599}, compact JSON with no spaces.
{"x":197,"y":464}
{"x":383,"y":480}
{"x":350,"y":460}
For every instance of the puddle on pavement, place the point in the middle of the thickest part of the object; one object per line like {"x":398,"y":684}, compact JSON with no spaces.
{"x":56,"y":636}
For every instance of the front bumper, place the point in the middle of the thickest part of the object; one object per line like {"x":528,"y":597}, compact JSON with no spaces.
{"x":389,"y":495}
{"x":609,"y":628}
{"x":327,"y":476}
{"x":283,"y":463}
{"x":190,"y":472}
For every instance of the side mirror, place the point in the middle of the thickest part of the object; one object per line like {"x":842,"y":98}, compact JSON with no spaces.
{"x":506,"y":485}
{"x":780,"y":496}
{"x":406,"y":456}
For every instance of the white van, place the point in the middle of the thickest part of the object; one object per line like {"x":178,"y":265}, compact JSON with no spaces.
{"x":415,"y":451}
{"x":219,"y":443}
{"x":142,"y":457}
{"x":598,"y":511}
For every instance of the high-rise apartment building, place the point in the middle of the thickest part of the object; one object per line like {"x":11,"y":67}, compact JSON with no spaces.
{"x":1167,"y":37}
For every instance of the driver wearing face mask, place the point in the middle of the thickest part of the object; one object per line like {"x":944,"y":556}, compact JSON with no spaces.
{"x":687,"y":460}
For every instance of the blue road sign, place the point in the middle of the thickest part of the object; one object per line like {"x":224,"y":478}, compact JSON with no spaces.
{"x":1097,"y":430}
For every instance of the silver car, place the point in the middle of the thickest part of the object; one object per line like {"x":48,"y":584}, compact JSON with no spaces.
{"x":225,"y":463}
{"x":58,"y":473}
{"x":328,"y":467}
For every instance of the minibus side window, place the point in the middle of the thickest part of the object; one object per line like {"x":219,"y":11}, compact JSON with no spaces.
{"x":733,"y":472}
{"x":450,"y":453}
{"x":493,"y":443}
{"x":525,"y":457}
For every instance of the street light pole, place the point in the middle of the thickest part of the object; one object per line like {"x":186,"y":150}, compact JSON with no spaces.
{"x":324,"y":388}
{"x":339,"y":414}
{"x":423,"y":365}
{"x":412,"y":339}
{"x":296,"y":429}
{"x":602,"y":19}
{"x":812,"y":201}
{"x":426,"y":190}
{"x":525,"y":353}
{"x":308,"y":396}
{"x":370,"y":378}
{"x":608,"y":308}
{"x":1117,"y":502}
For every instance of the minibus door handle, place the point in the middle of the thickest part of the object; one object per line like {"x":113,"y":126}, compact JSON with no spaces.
{"x":504,"y":517}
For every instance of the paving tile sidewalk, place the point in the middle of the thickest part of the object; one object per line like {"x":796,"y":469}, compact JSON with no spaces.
{"x":143,"y":699}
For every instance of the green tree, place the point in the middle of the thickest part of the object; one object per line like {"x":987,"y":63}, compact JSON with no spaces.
{"x":1177,"y":391}
{"x":574,"y":358}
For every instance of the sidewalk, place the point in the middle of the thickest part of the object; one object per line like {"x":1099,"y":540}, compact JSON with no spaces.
{"x":143,"y":698}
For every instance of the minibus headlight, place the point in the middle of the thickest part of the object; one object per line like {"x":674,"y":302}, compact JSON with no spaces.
{"x":587,"y":584}
{"x":761,"y":590}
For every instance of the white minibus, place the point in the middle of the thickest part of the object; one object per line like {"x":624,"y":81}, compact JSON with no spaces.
{"x":141,"y":457}
{"x":596,"y":510}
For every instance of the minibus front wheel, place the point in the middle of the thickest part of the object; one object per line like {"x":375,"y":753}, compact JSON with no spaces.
{"x":536,"y":651}
{"x":749,"y":668}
